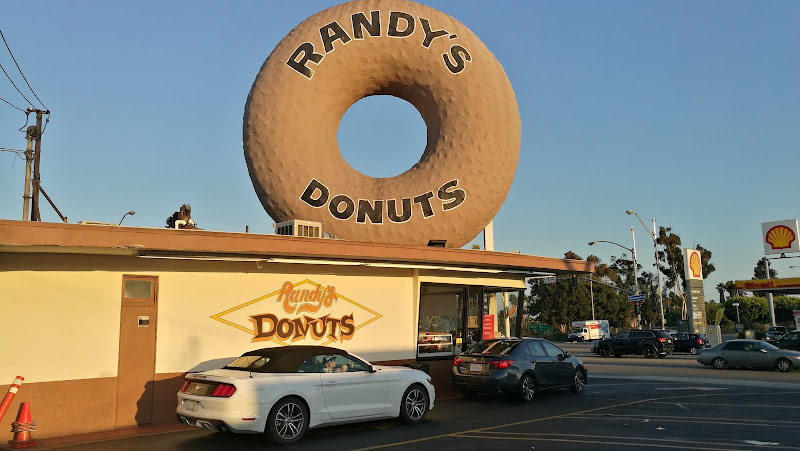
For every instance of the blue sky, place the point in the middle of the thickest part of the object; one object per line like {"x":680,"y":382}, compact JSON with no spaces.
{"x":683,"y":111}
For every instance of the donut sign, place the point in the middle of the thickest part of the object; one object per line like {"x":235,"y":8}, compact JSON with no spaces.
{"x":388,"y":47}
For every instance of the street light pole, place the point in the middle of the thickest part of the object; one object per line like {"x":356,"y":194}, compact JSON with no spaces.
{"x":635,"y":277}
{"x":658,"y":267}
{"x":736,"y":304}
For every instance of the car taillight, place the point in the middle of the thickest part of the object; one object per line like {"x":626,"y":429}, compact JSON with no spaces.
{"x":223,"y":391}
{"x":699,"y":341}
{"x":662,"y":340}
{"x":501,"y":364}
{"x":185,"y":384}
{"x":457,"y":361}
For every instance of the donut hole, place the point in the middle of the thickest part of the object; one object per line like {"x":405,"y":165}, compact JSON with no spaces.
{"x":382,"y":136}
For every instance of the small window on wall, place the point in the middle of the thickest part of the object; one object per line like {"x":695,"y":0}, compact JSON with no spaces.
{"x":138,"y":288}
{"x":440,"y":320}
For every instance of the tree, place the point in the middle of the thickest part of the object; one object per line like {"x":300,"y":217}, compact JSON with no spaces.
{"x":721,"y":291}
{"x":752,"y":310}
{"x":560,"y":303}
{"x":760,"y":273}
{"x":784,"y":306}
{"x":730,"y":287}
{"x":673,"y":256}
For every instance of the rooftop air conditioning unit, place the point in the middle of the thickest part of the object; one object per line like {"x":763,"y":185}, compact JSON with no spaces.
{"x":297,"y":227}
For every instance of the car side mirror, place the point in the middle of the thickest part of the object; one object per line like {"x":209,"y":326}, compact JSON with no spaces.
{"x":567,"y":354}
{"x":372,"y":369}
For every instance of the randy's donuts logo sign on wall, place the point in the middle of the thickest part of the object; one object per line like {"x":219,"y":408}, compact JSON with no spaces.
{"x":299,"y":311}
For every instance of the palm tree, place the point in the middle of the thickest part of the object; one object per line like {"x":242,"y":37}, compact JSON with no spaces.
{"x":721,"y":290}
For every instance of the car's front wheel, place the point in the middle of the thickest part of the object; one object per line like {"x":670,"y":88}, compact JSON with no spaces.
{"x":287,"y":422}
{"x":693,"y":351}
{"x":784,"y":365}
{"x":527,"y":388}
{"x":414,"y":405}
{"x":719,"y":363}
{"x":578,"y":382}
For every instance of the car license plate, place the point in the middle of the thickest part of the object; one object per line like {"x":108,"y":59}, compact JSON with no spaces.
{"x":475,"y":367}
{"x":190,"y":405}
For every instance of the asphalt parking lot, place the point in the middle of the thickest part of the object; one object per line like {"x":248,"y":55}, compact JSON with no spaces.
{"x":612,"y":413}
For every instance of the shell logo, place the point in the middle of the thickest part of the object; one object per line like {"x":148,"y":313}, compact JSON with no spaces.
{"x":694,"y":264}
{"x":780,"y":237}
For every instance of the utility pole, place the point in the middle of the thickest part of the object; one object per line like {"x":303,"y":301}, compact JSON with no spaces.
{"x":26,"y":195}
{"x":35,"y":215}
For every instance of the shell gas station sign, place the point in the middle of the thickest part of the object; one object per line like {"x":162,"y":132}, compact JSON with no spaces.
{"x":780,"y":237}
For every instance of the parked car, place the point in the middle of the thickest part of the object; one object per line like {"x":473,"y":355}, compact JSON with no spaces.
{"x":646,"y":342}
{"x":690,"y":343}
{"x":779,"y":330}
{"x":773,"y":333}
{"x":749,"y":354}
{"x":517,"y":366}
{"x":770,"y":337}
{"x":284,"y":391}
{"x":789,"y":340}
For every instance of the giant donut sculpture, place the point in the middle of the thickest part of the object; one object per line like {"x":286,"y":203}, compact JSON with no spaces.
{"x":383,"y":47}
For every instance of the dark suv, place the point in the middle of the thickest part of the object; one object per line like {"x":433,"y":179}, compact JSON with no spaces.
{"x":789,"y":340}
{"x":646,"y":342}
{"x":689,"y":342}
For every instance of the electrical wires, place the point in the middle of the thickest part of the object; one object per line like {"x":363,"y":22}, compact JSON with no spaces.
{"x":23,"y":77}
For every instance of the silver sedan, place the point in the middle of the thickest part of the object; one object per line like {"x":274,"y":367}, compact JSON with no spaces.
{"x":749,"y":354}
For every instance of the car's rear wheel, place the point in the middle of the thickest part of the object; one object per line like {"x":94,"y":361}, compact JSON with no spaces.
{"x":527,"y":388}
{"x":287,"y":422}
{"x":649,"y":352}
{"x":578,"y":382}
{"x":693,"y":351}
{"x":784,"y":365}
{"x":719,"y":363}
{"x":605,"y":351}
{"x":414,"y":405}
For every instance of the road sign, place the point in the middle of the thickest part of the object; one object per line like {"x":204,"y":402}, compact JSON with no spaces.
{"x":636,"y":297}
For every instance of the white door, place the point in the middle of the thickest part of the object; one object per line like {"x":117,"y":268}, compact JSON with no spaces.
{"x":355,"y":392}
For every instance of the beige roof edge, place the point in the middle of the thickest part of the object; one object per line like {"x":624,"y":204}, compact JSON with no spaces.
{"x":53,"y":237}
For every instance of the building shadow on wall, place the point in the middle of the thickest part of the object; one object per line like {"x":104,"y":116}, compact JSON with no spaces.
{"x":144,"y":406}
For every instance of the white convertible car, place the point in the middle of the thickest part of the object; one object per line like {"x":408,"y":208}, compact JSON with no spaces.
{"x":283,"y":391}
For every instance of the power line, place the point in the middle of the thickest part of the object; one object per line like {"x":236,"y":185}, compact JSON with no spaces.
{"x":6,"y":101}
{"x":15,"y":86}
{"x":20,"y":72}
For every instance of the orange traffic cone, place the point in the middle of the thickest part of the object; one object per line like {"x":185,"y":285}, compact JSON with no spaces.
{"x":22,"y":428}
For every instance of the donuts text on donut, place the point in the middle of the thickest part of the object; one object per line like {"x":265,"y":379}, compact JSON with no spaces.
{"x":342,"y":206}
{"x":400,"y":25}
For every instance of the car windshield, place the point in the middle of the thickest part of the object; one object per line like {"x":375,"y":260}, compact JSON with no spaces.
{"x":499,"y":347}
{"x":577,"y":330}
{"x":248,"y":363}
